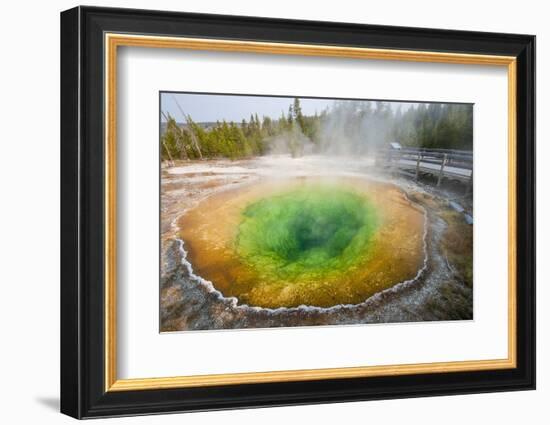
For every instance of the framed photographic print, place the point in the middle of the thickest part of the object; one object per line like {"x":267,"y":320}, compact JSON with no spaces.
{"x":261,"y":212}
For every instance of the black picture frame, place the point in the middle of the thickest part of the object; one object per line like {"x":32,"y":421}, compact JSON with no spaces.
{"x":83,"y":392}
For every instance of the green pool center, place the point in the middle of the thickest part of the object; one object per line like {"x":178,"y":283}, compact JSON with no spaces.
{"x":306,"y":231}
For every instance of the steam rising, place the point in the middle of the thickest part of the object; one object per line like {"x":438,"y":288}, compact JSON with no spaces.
{"x":347,"y":127}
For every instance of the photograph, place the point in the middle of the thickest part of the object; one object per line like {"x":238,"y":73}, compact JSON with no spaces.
{"x":285,"y":211}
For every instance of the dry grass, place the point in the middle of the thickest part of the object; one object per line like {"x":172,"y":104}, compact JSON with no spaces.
{"x":457,"y":245}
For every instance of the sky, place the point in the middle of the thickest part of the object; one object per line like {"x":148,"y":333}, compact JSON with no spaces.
{"x":211,"y":108}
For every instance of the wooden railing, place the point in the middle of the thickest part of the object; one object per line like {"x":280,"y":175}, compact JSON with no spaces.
{"x":441,"y":163}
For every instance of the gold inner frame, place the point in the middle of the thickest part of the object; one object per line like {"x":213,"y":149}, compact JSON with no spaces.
{"x":113,"y":41}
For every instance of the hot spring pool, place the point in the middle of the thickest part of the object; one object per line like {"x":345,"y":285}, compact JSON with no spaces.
{"x":305,"y":241}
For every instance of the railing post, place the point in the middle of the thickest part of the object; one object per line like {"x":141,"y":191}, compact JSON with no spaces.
{"x":417,"y":165}
{"x":443,"y":162}
{"x":470,"y":184}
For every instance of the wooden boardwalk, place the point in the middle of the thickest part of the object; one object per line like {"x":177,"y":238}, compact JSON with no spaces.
{"x":439,"y":163}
